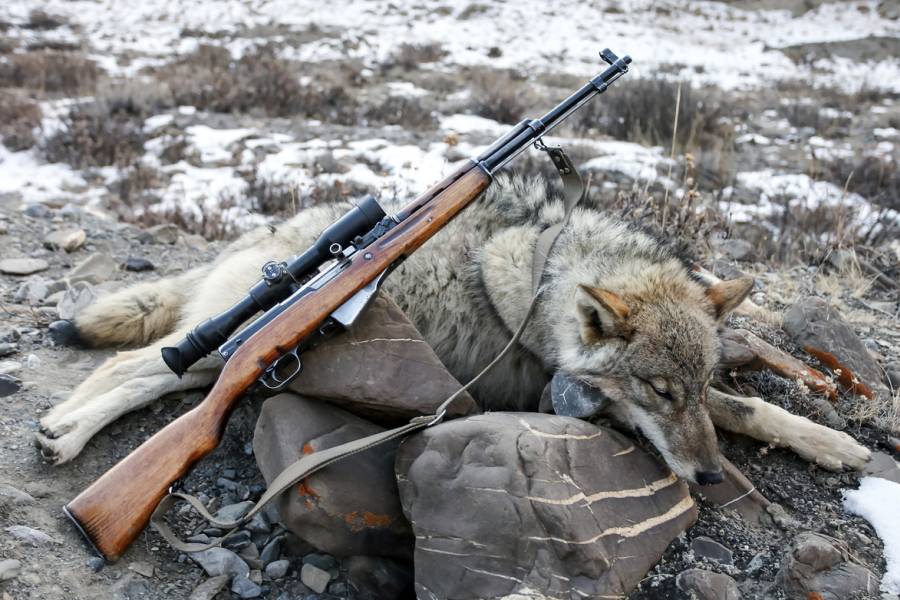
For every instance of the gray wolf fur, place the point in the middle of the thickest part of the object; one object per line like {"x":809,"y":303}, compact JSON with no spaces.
{"x":617,"y":308}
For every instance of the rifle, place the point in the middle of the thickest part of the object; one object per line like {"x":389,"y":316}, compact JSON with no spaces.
{"x":315,"y":294}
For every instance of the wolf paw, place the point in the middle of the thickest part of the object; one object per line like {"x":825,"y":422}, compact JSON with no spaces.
{"x":57,"y":451}
{"x":830,"y":449}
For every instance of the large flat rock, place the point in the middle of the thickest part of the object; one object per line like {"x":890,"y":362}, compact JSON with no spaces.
{"x":539,"y":505}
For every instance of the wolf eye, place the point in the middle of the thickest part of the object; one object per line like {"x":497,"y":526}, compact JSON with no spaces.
{"x":661,"y":391}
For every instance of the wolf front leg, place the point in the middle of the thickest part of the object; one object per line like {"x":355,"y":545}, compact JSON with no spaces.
{"x":760,"y":420}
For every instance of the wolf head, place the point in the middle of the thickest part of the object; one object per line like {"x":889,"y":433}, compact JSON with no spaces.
{"x":652,"y":346}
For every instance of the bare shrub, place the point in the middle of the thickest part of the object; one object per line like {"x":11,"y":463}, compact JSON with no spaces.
{"x":260,"y":81}
{"x":7,"y":44}
{"x":19,"y":116}
{"x":406,"y":112}
{"x":134,"y":97}
{"x":409,"y":56}
{"x":499,"y":95}
{"x":136,"y":182}
{"x":49,"y":71}
{"x":643,"y":111}
{"x":874,"y":178}
{"x":41,"y":20}
{"x":95,"y":135}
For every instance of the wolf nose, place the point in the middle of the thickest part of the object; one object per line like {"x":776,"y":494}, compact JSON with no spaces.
{"x":710,"y":477}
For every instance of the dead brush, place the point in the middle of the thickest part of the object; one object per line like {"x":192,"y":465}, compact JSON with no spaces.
{"x":259,"y":82}
{"x":48,"y":71}
{"x":688,"y":223}
{"x":500,"y":95}
{"x":406,"y":112}
{"x":19,"y":117}
{"x":43,"y":21}
{"x":643,"y":111}
{"x":409,"y":56}
{"x":96,"y":135}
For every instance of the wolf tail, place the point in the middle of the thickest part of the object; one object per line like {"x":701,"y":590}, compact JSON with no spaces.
{"x":134,"y":316}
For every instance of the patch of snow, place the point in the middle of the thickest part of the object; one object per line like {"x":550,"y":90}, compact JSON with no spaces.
{"x":37,"y":180}
{"x":406,"y":89}
{"x":473,"y":124}
{"x":753,"y":138}
{"x":885,"y":132}
{"x":877,"y":501}
{"x":213,"y":144}
{"x":157,"y":122}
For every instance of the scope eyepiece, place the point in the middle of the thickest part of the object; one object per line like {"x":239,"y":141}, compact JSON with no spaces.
{"x":279,"y":281}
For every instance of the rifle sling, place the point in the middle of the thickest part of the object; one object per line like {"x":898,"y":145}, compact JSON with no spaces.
{"x":573,"y":191}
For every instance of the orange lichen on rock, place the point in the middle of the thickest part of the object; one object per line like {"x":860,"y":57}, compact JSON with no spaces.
{"x":368,"y":519}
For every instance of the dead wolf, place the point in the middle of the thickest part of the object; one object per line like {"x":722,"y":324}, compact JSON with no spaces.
{"x":618,"y":309}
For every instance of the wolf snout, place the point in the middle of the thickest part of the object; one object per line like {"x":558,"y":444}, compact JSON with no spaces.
{"x":710,"y":477}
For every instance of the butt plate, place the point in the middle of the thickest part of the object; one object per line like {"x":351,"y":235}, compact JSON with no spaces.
{"x":84,"y":534}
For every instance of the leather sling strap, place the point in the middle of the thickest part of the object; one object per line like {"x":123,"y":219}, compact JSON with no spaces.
{"x":573,"y":191}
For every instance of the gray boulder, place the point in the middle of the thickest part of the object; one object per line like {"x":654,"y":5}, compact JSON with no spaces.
{"x":821,"y":564}
{"x":822,"y":332}
{"x":350,"y":508}
{"x":700,"y":584}
{"x":381,"y":369}
{"x":539,"y":505}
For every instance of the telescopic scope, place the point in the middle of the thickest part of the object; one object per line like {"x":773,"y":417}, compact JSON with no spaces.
{"x":279,"y":281}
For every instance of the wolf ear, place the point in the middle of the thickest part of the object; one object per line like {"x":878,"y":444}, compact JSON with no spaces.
{"x":727,"y":295}
{"x":602,"y":314}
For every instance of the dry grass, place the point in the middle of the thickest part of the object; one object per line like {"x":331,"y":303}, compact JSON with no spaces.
{"x":260,"y":82}
{"x":875,"y":178}
{"x":643,"y":111}
{"x":500,"y":95}
{"x":409,"y":113}
{"x":19,"y":117}
{"x":410,"y":56}
{"x":41,"y":20}
{"x":49,"y":71}
{"x":97,"y":135}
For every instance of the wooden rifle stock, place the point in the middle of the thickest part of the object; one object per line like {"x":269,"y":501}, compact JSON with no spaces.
{"x":113,"y":511}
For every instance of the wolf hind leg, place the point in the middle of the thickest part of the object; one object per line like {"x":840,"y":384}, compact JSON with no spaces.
{"x":139,"y":314}
{"x":766,"y":422}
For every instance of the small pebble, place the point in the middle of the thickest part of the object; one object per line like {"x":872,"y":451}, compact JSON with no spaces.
{"x":277,"y":569}
{"x":138,"y":264}
{"x":314,"y":578}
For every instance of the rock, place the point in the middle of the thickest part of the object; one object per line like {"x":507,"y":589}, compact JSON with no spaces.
{"x":6,"y":349}
{"x":137,"y":264}
{"x":94,"y":269}
{"x":9,"y":385}
{"x":323,"y":561}
{"x":8,"y":367}
{"x":10,"y":496}
{"x":375,"y":578}
{"x":892,"y":376}
{"x":29,"y":535}
{"x":880,"y":465}
{"x":77,"y":298}
{"x":219,"y":561}
{"x":571,"y":397}
{"x":705,"y":547}
{"x":32,"y":291}
{"x":38,"y":211}
{"x":314,"y":578}
{"x":352,"y":506}
{"x":142,"y":568}
{"x":271,"y":551}
{"x":64,"y":332}
{"x":735,"y":249}
{"x":822,"y":332}
{"x":233,"y":512}
{"x":706,"y":585}
{"x":32,"y":361}
{"x":259,"y":523}
{"x":209,"y":588}
{"x":378,"y":351}
{"x":574,"y":501}
{"x":96,"y":564}
{"x":23,"y":266}
{"x":68,"y":240}
{"x":818,"y":564}
{"x":237,"y":540}
{"x":277,"y":569}
{"x":9,"y":569}
{"x":193,"y":241}
{"x":244,"y":588}
{"x":166,"y":233}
